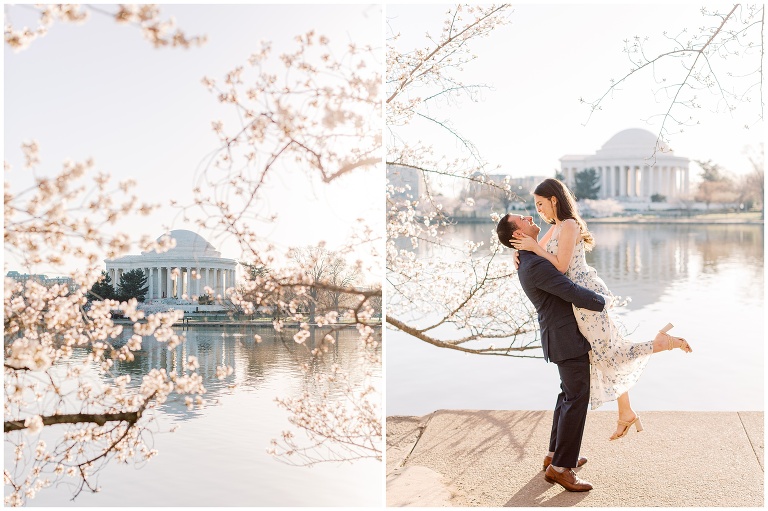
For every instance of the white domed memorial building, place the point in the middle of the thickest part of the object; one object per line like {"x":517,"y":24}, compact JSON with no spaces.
{"x":199,"y":265}
{"x":627,"y":170}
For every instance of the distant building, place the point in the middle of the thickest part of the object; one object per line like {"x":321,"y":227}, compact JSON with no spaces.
{"x":41,"y":279}
{"x":406,"y":178}
{"x":626,"y":171}
{"x":522,"y":186}
{"x":198,"y":263}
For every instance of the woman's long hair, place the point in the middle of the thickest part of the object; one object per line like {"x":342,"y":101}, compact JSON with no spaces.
{"x":565,"y":207}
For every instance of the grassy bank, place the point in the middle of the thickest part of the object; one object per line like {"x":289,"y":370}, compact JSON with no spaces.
{"x":701,"y":218}
{"x":677,"y":217}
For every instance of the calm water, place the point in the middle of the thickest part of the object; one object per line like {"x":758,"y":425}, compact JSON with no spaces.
{"x":218,"y":456}
{"x":706,"y":280}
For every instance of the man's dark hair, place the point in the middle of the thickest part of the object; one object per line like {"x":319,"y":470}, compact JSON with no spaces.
{"x":505,"y":228}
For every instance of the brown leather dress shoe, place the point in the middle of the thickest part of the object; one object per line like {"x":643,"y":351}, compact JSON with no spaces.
{"x":548,"y":462}
{"x":567,"y":479}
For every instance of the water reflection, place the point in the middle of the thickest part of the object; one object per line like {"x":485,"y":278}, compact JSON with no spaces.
{"x":706,"y":279}
{"x":644,"y":260}
{"x":218,"y":456}
{"x":277,"y":355}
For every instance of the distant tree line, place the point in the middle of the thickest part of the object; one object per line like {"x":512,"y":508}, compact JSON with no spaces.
{"x":718,"y":186}
{"x":587,"y":183}
{"x":132,"y":284}
{"x":328,"y":280}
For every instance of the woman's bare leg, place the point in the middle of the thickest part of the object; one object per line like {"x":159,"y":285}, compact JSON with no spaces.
{"x":626,"y":413}
{"x":662,"y":342}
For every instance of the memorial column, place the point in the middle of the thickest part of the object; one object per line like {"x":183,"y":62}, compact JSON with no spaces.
{"x":622,"y":181}
{"x":651,"y":170}
{"x":168,"y":282}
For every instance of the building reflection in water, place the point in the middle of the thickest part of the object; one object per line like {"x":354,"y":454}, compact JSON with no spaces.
{"x":275,"y":362}
{"x":643,"y":260}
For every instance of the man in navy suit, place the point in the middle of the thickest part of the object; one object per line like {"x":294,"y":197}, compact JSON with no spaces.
{"x":552,"y":293}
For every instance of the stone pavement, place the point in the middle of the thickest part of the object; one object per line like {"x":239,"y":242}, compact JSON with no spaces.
{"x":493,"y":459}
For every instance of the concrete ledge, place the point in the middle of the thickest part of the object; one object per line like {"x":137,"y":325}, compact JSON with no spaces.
{"x":493,"y":459}
{"x":402,"y":435}
{"x":755,"y":429}
{"x":417,"y":486}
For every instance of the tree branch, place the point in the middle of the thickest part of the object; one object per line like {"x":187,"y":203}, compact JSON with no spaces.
{"x":74,"y":418}
{"x":419,"y":334}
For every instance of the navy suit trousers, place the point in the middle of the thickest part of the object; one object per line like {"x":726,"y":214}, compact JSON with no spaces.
{"x":570,"y":411}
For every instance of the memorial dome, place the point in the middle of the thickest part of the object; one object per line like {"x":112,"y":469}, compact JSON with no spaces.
{"x":188,"y":243}
{"x":633,"y":142}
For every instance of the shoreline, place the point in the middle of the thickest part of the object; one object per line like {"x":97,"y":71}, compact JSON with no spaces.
{"x":257,"y":324}
{"x":661,"y":220}
{"x":639,"y":218}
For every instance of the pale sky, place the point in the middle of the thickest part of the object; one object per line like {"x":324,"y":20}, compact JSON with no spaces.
{"x":100,"y":90}
{"x":550,"y":56}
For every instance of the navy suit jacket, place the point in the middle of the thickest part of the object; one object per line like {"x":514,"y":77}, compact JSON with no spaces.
{"x":552,"y":293}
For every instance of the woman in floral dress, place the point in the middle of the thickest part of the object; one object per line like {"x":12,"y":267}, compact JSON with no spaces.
{"x":615,"y":362}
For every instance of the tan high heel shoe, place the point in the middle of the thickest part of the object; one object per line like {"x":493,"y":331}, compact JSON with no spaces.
{"x":671,"y":339}
{"x":627,"y":425}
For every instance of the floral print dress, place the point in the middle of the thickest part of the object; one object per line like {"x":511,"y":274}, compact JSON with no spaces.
{"x":615,"y":362}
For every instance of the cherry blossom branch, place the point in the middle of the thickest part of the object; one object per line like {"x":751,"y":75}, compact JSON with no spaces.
{"x":161,"y":33}
{"x":456,"y":345}
{"x":477,"y":26}
{"x":713,"y":43}
{"x":74,"y":418}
